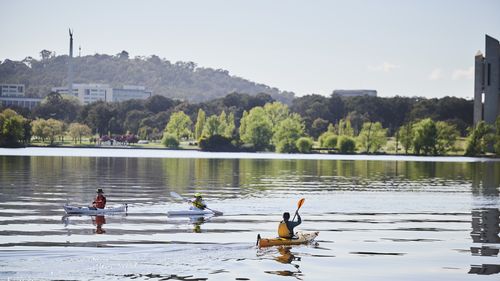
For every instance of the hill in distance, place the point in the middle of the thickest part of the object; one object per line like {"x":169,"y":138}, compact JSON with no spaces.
{"x":180,"y":80}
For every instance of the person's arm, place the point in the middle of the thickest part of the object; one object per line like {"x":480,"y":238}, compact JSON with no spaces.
{"x":299,"y":220}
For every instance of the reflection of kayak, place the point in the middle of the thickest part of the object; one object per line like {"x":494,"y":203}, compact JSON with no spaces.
{"x":94,"y":211}
{"x":196,"y":212}
{"x":302,"y":238}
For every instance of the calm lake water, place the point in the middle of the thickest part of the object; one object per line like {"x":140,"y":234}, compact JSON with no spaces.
{"x":388,"y":219}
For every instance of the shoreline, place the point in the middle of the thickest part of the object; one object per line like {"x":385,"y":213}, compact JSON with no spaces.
{"x":135,"y":152}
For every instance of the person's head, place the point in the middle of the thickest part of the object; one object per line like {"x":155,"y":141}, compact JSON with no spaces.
{"x":99,"y":191}
{"x":286,"y":216}
{"x":197,"y":196}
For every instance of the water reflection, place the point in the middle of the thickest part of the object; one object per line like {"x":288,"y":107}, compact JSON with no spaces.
{"x":246,"y":175}
{"x":485,"y":229}
{"x":285,"y":256}
{"x":197,"y":221}
{"x":485,"y":179}
{"x":98,"y":221}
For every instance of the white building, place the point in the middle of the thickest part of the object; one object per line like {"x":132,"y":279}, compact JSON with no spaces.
{"x":130,"y":92}
{"x":355,"y":93}
{"x":89,"y":93}
{"x":12,"y":90}
{"x":13,"y":95}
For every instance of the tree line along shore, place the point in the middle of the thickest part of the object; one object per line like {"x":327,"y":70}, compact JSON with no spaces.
{"x":243,"y":122}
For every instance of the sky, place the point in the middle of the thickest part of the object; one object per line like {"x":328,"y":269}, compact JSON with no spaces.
{"x":407,"y":48}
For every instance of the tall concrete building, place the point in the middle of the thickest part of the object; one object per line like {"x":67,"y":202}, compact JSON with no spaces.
{"x":487,"y":83}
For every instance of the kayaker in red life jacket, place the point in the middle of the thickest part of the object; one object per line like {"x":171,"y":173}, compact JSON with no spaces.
{"x":100,"y":200}
{"x":198,"y":202}
{"x":285,"y":228}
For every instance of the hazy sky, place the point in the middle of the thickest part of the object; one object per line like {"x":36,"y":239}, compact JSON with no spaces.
{"x":423,"y":48}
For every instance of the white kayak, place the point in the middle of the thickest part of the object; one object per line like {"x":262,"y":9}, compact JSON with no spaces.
{"x":195,"y":212}
{"x":94,"y":211}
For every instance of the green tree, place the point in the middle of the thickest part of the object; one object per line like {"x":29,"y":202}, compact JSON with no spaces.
{"x":200,"y":124}
{"x":330,"y":142}
{"x":287,"y":133}
{"x":323,"y":137}
{"x":405,"y":135}
{"x":77,"y":131}
{"x":212,"y":127}
{"x":170,"y":140}
{"x":53,"y":129}
{"x":179,"y":125}
{"x":243,"y":123}
{"x":99,"y":116}
{"x":447,"y":135}
{"x":256,"y":129}
{"x":346,"y":144}
{"x":145,"y":133}
{"x":133,"y":120}
{"x":304,"y":144}
{"x":231,"y":126}
{"x":425,"y":137}
{"x":11,"y":128}
{"x":372,"y":137}
{"x":57,"y":106}
{"x":479,"y":138}
{"x":344,"y":128}
{"x":38,"y":128}
{"x":222,"y":123}
{"x":276,"y":112}
{"x":319,"y":125}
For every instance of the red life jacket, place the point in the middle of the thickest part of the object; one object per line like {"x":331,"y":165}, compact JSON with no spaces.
{"x":100,"y":202}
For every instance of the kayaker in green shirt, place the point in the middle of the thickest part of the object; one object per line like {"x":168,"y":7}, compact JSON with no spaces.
{"x":285,"y":228}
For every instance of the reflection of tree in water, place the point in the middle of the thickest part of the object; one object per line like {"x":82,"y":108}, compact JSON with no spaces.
{"x":485,"y":229}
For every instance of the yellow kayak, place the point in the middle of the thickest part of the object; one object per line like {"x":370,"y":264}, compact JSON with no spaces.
{"x":301,"y":238}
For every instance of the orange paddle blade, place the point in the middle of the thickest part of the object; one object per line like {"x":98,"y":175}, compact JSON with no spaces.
{"x":300,"y":203}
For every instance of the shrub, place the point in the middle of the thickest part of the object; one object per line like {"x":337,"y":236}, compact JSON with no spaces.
{"x":217,"y":143}
{"x":323,"y":138}
{"x":304,"y":145}
{"x":330,"y":141}
{"x":346,"y":144}
{"x":170,"y":141}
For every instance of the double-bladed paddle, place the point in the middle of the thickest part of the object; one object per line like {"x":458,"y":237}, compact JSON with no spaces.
{"x":176,"y":195}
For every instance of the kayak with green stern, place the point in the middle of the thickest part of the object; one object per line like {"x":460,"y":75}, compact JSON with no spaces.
{"x":301,"y":238}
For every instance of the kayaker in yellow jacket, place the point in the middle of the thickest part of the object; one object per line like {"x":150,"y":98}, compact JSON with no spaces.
{"x":198,"y":202}
{"x":285,"y":228}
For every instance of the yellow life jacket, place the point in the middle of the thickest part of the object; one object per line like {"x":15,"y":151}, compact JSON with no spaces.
{"x":283,"y":230}
{"x":199,"y":204}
